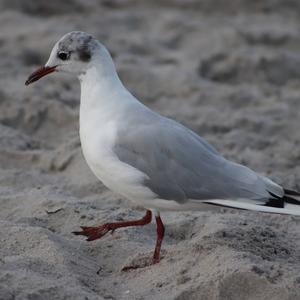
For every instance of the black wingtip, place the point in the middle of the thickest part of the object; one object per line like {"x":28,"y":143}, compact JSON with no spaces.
{"x":276,"y":201}
{"x":291,"y":200}
{"x":291,"y":192}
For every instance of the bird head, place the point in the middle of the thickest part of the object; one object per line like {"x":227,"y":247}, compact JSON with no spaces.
{"x":73,"y":53}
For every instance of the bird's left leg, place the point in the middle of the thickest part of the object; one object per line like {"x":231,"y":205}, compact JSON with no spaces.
{"x":94,"y":233}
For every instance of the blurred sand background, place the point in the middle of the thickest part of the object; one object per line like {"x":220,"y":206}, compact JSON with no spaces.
{"x":230,"y":70}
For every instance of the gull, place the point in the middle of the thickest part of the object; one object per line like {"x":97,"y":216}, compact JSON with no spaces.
{"x":152,"y":160}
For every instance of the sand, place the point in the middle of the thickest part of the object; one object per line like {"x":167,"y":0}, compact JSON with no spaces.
{"x":228,"y":70}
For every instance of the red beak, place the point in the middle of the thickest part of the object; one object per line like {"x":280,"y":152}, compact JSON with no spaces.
{"x":39,"y":73}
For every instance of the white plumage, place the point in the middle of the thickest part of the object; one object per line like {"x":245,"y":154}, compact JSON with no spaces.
{"x":146,"y":157}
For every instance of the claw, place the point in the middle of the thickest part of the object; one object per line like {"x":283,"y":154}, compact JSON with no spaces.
{"x":141,"y":263}
{"x":77,"y":232}
{"x":94,"y":233}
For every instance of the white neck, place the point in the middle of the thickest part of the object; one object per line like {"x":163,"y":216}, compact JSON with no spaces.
{"x":100,"y":83}
{"x":104,"y":99}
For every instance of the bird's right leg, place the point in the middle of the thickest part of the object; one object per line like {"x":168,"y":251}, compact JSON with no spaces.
{"x":97,"y":232}
{"x":160,"y":229}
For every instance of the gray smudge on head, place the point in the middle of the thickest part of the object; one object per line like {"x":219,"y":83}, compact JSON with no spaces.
{"x":78,"y":42}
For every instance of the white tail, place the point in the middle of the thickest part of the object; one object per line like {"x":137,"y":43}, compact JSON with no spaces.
{"x":288,"y":209}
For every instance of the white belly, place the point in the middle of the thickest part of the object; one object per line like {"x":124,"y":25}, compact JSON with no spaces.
{"x":97,"y":147}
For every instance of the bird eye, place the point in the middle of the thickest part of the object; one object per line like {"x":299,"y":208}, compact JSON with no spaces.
{"x":63,"y":55}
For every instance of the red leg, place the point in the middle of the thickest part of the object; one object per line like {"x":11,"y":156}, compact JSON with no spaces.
{"x":160,"y":229}
{"x":94,"y":233}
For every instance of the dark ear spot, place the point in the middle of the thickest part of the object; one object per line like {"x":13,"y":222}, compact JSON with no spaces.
{"x":84,"y":54}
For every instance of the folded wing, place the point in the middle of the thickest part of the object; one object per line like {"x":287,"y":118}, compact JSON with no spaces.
{"x":180,"y":165}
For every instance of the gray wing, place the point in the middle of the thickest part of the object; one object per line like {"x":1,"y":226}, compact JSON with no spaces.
{"x":180,"y":165}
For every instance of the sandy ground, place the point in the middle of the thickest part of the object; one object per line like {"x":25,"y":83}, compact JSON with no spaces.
{"x":230,"y":70}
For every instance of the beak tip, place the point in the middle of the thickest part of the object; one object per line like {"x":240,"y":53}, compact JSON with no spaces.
{"x":39,"y":73}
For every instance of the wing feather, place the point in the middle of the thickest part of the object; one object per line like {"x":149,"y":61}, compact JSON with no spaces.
{"x":180,"y":165}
